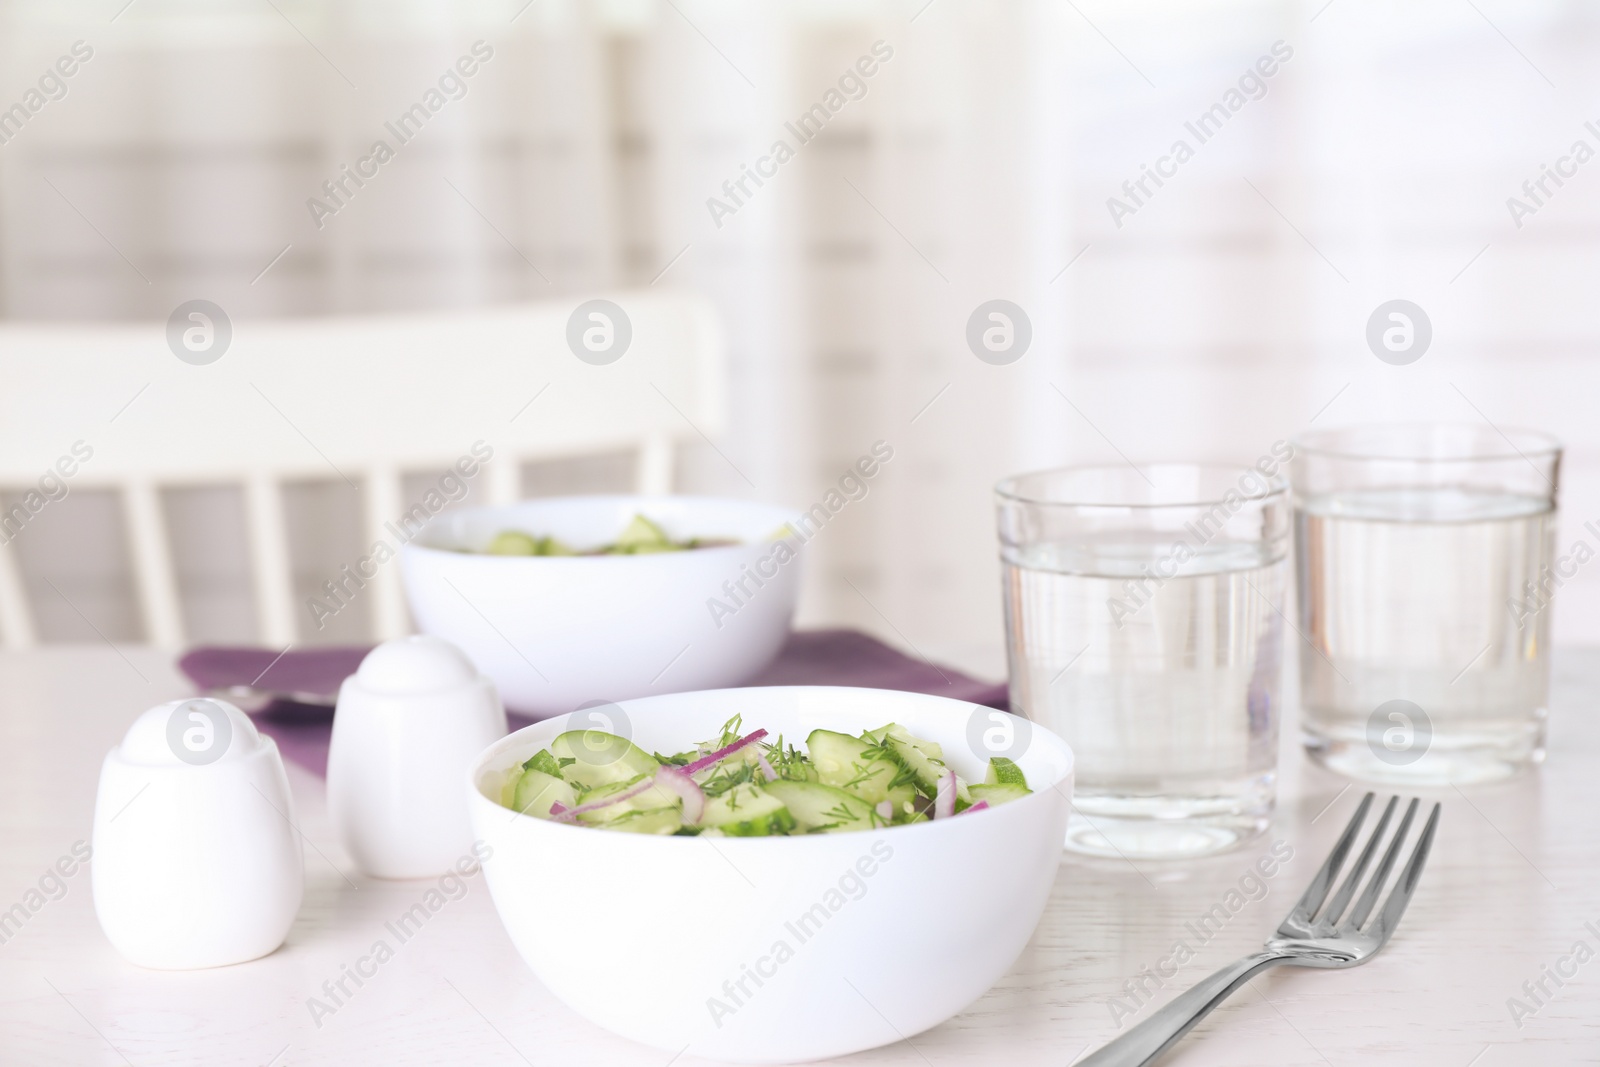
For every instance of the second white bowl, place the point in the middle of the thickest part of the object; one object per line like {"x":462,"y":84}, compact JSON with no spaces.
{"x":555,"y":632}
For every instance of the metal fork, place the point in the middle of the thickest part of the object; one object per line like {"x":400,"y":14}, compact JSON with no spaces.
{"x":1311,"y":935}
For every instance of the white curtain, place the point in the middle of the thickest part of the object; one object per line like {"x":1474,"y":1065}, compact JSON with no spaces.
{"x":976,"y":163}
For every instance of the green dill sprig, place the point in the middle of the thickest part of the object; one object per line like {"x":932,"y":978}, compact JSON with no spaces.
{"x":725,"y":776}
{"x":787,"y":761}
{"x":731,"y":732}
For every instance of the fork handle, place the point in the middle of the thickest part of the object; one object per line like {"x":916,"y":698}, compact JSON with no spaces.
{"x":1148,"y":1040}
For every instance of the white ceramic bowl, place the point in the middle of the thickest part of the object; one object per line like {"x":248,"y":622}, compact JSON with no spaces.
{"x":553,"y":633}
{"x":856,"y":939}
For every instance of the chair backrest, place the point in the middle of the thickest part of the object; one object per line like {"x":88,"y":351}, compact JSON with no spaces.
{"x":364,"y":399}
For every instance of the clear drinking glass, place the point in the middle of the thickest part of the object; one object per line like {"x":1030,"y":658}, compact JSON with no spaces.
{"x":1425,"y":576}
{"x":1144,"y":624}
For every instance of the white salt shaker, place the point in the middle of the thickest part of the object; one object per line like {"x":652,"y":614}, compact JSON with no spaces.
{"x":408,"y":725}
{"x":197,"y":862}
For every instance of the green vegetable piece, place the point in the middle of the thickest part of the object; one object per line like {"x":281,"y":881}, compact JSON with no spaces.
{"x":1004,"y":772}
{"x":650,"y":801}
{"x":640,"y":536}
{"x":926,"y":769}
{"x":923,"y":758}
{"x":819,"y":808}
{"x":747,"y":811}
{"x":599,"y":758}
{"x":860,"y":766}
{"x":997,"y":794}
{"x":662,"y":821}
{"x":544,"y":762}
{"x":513,"y":543}
{"x":537,"y":791}
{"x":549,"y":546}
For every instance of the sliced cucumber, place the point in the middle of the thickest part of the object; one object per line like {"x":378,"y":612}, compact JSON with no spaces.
{"x":1004,"y":772}
{"x":654,"y":798}
{"x":749,"y":754}
{"x":819,"y":808}
{"x":881,"y":733}
{"x":513,"y":543}
{"x":926,"y":769}
{"x":860,"y":766}
{"x":642,"y":535}
{"x":666,"y":821}
{"x":598,"y":758}
{"x":998,"y":793}
{"x":932,"y":749}
{"x":537,"y":791}
{"x":831,"y":752}
{"x":746,"y":811}
{"x":542,"y":760}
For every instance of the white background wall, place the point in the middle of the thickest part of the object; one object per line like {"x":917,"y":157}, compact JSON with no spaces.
{"x":1227,"y":313}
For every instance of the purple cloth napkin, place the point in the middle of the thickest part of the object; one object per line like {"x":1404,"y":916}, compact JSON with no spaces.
{"x":812,"y":657}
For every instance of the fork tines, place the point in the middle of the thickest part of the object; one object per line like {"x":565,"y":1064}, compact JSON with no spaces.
{"x":1311,"y":917}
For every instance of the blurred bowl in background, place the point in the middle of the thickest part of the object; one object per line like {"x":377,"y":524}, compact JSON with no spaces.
{"x":556,"y":632}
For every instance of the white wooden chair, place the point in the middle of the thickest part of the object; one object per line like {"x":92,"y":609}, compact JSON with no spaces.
{"x":365,"y":399}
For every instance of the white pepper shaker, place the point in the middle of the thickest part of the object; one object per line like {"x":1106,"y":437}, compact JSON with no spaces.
{"x":407,"y":727}
{"x":197,"y":862}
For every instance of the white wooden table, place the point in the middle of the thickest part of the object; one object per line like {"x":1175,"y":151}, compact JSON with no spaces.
{"x":1514,"y":877}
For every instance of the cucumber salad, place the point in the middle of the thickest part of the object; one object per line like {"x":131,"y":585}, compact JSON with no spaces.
{"x":741,"y":785}
{"x":640,"y":537}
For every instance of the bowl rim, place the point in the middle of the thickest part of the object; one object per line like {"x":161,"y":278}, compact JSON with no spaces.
{"x":415,"y":545}
{"x":477,"y":797}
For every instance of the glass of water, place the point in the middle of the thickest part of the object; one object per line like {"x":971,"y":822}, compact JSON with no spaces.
{"x":1425,"y":578}
{"x":1144,"y":624}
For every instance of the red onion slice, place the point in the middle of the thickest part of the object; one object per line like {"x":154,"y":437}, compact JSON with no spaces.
{"x":944,"y":802}
{"x":617,"y":798}
{"x":766,"y":768}
{"x":672,"y":780}
{"x":722,"y":753}
{"x":557,"y":808}
{"x":885,"y":810}
{"x":979,"y":806}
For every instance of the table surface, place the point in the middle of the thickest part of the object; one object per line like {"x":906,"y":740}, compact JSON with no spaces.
{"x":1507,"y":894}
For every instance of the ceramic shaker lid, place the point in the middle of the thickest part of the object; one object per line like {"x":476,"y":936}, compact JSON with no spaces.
{"x":415,"y":665}
{"x":196,"y":732}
